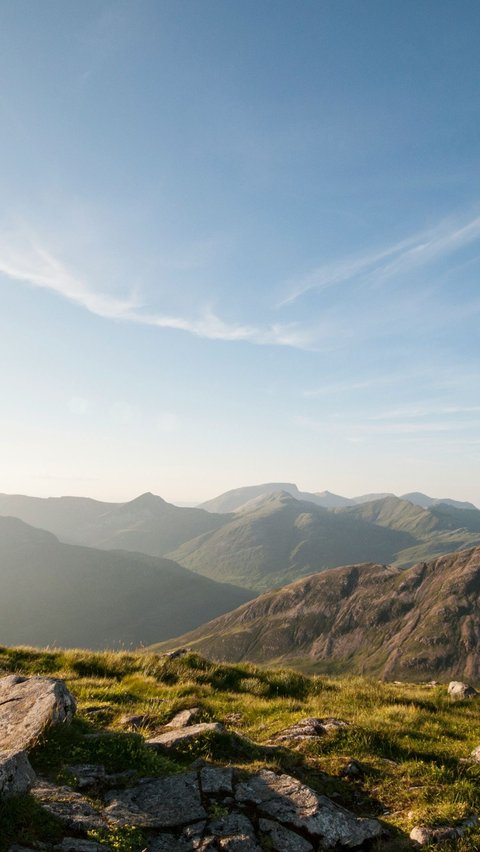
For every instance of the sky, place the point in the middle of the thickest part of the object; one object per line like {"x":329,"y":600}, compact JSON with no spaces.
{"x":239,"y":243}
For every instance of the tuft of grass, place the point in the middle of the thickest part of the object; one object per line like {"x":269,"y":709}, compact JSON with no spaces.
{"x":22,"y":820}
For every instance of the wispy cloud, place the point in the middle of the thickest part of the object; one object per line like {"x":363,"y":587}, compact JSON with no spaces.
{"x":399,"y":258}
{"x":364,"y":429}
{"x":415,"y":412}
{"x":23,"y":258}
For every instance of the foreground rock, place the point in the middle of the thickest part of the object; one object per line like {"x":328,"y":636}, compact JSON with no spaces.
{"x":70,"y":807}
{"x":293,"y":804}
{"x":458,"y":690}
{"x":309,"y":729}
{"x":28,"y":706}
{"x":428,"y":835}
{"x":184,"y":718}
{"x":210,"y":808}
{"x":158,"y":803}
{"x":180,"y":736}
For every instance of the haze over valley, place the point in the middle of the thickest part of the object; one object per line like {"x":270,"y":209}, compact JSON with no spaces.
{"x":81,"y":572}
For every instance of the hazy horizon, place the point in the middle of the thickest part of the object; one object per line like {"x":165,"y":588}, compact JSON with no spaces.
{"x":238,"y":240}
{"x":185,"y":501}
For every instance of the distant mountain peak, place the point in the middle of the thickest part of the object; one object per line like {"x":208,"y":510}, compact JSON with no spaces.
{"x":147,"y":499}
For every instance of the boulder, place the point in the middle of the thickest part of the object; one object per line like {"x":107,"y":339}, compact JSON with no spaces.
{"x":293,"y":804}
{"x":310,"y":729}
{"x":28,"y":706}
{"x":430,"y":835}
{"x":179,"y":736}
{"x":157,"y":803}
{"x":16,"y":774}
{"x":282,"y":838}
{"x":235,"y":833}
{"x":458,"y":690}
{"x":70,"y":807}
{"x":184,"y":718}
{"x":216,"y":780}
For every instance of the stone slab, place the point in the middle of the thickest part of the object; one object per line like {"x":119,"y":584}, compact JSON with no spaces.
{"x":293,"y":804}
{"x":179,"y":736}
{"x":157,"y":803}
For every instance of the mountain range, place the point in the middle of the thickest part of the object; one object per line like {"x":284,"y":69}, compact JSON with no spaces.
{"x":413,"y":624}
{"x":273,"y":537}
{"x":239,"y":498}
{"x":66,"y":595}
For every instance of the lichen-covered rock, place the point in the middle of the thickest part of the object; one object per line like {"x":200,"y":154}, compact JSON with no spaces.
{"x":282,"y":838}
{"x":30,"y":705}
{"x":16,"y":774}
{"x":184,"y":718}
{"x":429,"y":835}
{"x":288,"y":801}
{"x":235,"y":833}
{"x":458,"y":690}
{"x":70,"y":807}
{"x":216,"y":780}
{"x":157,"y":803}
{"x":310,"y":729}
{"x":87,"y":774}
{"x":180,"y":736}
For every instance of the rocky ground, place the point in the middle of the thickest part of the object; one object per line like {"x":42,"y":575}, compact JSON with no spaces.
{"x":160,"y":781}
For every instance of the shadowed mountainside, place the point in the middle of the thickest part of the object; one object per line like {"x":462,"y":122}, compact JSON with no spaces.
{"x":148,"y":523}
{"x":69,"y":596}
{"x":414,"y":624}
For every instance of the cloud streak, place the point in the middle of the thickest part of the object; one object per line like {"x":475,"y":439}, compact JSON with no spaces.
{"x":403,"y":257}
{"x":24,"y":258}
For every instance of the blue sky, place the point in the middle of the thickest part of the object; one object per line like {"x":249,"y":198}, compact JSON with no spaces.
{"x":239,"y":242}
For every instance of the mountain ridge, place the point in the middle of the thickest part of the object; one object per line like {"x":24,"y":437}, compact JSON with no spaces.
{"x":374,"y":619}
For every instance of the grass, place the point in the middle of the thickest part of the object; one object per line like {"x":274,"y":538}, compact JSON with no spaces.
{"x":410,"y":739}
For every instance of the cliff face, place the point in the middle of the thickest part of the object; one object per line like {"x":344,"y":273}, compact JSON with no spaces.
{"x":420,"y":623}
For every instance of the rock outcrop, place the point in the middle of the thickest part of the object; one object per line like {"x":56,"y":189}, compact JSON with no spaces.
{"x":309,"y":729}
{"x":28,"y":706}
{"x":209,"y":808}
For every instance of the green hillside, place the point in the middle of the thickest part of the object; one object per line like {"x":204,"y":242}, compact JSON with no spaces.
{"x":282,"y":538}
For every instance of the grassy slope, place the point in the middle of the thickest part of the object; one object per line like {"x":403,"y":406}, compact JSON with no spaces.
{"x":282,"y":539}
{"x":411,"y":739}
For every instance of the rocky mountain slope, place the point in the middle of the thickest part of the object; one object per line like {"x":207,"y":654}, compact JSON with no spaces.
{"x":65,"y":595}
{"x":420,"y":623}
